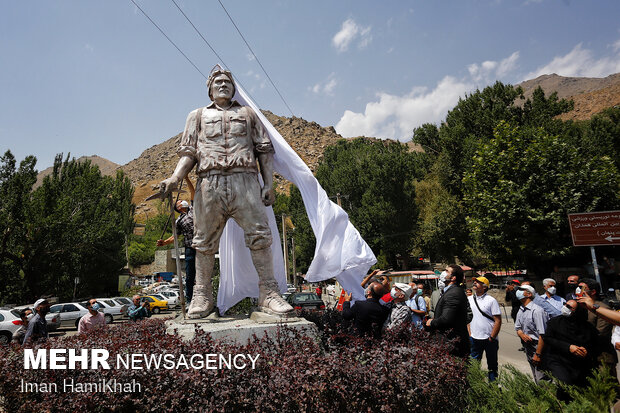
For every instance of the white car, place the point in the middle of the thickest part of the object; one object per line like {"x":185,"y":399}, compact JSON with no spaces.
{"x":9,"y":323}
{"x":172,"y":297}
{"x":112,"y":309}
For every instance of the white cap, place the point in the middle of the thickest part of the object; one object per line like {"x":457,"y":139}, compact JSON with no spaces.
{"x":184,"y":204}
{"x":39,"y":302}
{"x":528,"y":288}
{"x":405,"y":288}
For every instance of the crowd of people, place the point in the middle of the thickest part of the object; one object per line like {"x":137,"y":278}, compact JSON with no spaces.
{"x":562,"y":337}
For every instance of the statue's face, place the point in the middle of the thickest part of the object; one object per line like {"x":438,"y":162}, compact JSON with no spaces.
{"x":222,"y":88}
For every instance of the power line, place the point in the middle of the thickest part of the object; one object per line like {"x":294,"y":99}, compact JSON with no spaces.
{"x":170,"y":40}
{"x":213,"y":50}
{"x":256,"y":57}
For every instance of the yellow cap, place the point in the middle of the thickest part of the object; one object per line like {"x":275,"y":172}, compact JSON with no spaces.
{"x":483,"y":280}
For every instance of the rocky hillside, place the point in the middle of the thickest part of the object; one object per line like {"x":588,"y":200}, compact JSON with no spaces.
{"x":105,"y":166}
{"x":591,"y":95}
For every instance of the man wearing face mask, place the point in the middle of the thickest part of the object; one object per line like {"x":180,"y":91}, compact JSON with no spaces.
{"x":435,"y":295}
{"x":417,"y":305}
{"x":530,"y":325}
{"x":570,"y":345}
{"x":451,"y":312}
{"x":400,"y":314}
{"x":37,"y":326}
{"x":93,"y":320}
{"x":553,"y":303}
{"x":572,"y":282}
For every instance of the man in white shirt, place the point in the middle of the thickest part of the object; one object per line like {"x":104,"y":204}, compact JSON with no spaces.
{"x":485,"y":325}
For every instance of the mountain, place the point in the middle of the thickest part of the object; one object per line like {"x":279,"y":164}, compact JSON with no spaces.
{"x":105,"y":166}
{"x":591,"y":95}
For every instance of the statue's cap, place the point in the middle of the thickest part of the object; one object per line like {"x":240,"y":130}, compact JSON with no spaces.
{"x":215,"y":72}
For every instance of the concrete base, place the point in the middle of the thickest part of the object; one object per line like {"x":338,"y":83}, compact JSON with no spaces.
{"x":238,"y":329}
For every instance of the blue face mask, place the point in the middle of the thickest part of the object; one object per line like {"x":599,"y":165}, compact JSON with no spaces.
{"x":96,"y":307}
{"x":420,"y":291}
{"x":520,"y":294}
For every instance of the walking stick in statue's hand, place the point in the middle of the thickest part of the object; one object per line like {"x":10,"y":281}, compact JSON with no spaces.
{"x":161,"y":195}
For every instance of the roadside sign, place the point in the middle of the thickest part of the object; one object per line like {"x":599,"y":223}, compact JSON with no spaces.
{"x":595,"y":228}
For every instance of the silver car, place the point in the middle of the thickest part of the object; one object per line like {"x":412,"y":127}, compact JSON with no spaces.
{"x":70,"y":313}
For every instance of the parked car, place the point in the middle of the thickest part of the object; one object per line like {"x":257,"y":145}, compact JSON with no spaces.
{"x":112,"y":309}
{"x":9,"y":323}
{"x":306,"y":301}
{"x":70,"y":313}
{"x":157,"y":303}
{"x":123,"y":301}
{"x":173,"y":298}
{"x":52,"y":320}
{"x":290,"y":288}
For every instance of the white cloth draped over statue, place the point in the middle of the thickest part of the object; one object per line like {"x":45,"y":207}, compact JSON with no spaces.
{"x":340,"y":250}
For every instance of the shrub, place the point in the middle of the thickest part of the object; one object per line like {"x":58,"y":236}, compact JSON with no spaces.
{"x":405,"y":371}
{"x":517,"y":392}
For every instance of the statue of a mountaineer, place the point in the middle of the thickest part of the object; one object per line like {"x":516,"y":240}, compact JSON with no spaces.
{"x":225,"y":140}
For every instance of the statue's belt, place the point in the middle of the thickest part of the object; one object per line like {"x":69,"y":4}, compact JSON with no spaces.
{"x":229,"y":171}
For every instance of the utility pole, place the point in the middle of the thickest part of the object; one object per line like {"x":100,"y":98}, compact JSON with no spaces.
{"x":284,"y":246}
{"x":294,"y":267}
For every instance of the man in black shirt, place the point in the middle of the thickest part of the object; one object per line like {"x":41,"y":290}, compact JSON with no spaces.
{"x":368,"y":315}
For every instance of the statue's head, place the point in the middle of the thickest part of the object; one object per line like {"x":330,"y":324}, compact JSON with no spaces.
{"x":221,"y":83}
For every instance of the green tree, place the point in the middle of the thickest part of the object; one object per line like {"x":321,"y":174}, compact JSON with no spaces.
{"x":78,"y":223}
{"x":452,"y":147}
{"x":15,"y":187}
{"x":520,"y":188}
{"x":376,"y":183}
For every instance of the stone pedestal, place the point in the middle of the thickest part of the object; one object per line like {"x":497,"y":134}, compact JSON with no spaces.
{"x":238,"y":329}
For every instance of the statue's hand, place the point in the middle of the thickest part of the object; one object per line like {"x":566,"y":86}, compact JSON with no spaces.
{"x":167,"y":185}
{"x":268,"y":196}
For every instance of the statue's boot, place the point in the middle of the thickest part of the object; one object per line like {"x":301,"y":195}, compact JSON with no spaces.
{"x":202,"y":301}
{"x":269,"y":298}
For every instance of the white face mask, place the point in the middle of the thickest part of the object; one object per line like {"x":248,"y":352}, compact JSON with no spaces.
{"x":393,"y":292}
{"x":551,"y":290}
{"x":520,"y":295}
{"x":566,"y":312}
{"x":441,"y":285}
{"x":578,"y":290}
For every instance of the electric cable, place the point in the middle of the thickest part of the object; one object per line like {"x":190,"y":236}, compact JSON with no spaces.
{"x":256,"y":57}
{"x":214,"y":52}
{"x":170,"y":40}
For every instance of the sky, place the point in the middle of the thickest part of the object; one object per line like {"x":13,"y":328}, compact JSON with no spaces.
{"x":98,"y":78}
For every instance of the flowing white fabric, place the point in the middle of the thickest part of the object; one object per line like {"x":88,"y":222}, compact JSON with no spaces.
{"x":340,"y":250}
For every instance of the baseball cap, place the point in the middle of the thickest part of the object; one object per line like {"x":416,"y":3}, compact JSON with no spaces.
{"x":405,"y":288}
{"x":483,"y":280}
{"x":39,"y":302}
{"x":515,"y":282}
{"x":528,"y":288}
